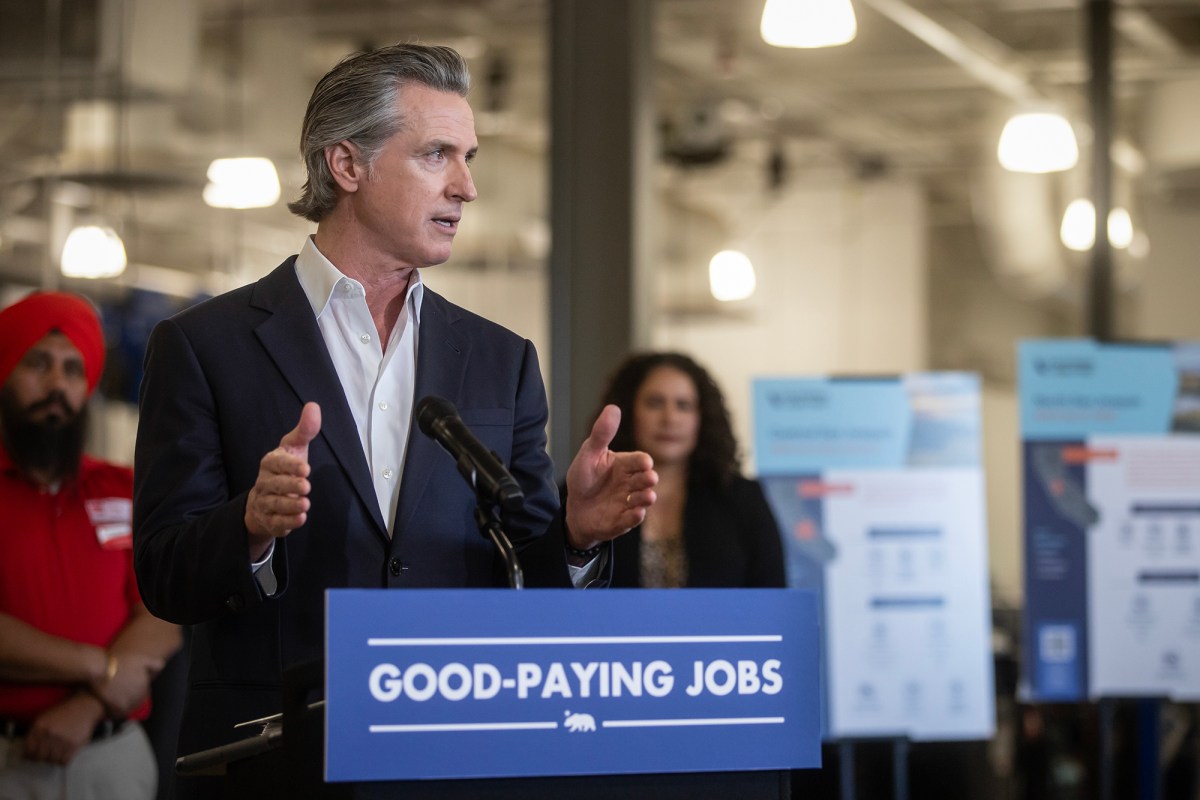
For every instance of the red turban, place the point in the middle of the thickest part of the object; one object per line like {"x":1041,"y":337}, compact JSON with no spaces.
{"x":25,"y":322}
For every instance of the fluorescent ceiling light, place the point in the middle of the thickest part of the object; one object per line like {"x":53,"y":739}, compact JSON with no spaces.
{"x":808,"y":23}
{"x":1037,"y":142}
{"x":731,"y":276}
{"x":242,"y":183}
{"x":92,"y":251}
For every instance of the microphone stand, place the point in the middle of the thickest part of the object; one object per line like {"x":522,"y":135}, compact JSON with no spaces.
{"x":488,"y":520}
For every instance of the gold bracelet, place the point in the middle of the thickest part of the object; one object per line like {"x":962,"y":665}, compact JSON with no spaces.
{"x":110,"y":667}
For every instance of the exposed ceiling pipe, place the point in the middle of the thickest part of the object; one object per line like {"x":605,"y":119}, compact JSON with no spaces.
{"x":995,"y":65}
{"x":1143,"y":30}
{"x":982,"y":57}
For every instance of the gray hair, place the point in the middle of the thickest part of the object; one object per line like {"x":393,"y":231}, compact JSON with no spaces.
{"x":356,"y":102}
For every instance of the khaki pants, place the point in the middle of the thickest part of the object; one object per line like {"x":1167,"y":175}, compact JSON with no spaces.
{"x":121,"y":767}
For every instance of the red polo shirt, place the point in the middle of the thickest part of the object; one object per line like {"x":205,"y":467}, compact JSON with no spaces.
{"x":66,"y":565}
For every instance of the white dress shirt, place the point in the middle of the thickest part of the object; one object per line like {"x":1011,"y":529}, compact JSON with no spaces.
{"x":379,"y":382}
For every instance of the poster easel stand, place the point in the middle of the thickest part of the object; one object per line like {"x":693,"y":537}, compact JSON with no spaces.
{"x":899,"y":748}
{"x":1148,"y":716}
{"x":1108,"y":722}
{"x":1149,"y":732}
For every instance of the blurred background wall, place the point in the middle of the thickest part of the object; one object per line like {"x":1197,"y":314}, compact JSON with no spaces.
{"x":861,"y":181}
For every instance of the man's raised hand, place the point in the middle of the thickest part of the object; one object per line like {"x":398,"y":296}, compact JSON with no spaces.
{"x":278,"y":502}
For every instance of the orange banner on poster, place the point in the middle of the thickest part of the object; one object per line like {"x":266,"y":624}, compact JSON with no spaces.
{"x":1082,"y":455}
{"x":810,"y":489}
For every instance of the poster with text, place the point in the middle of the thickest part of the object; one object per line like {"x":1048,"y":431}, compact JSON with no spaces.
{"x":877,"y":485}
{"x":1112,"y":519}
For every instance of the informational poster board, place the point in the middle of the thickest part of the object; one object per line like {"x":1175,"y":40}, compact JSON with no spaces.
{"x":1112,"y":519}
{"x":877,"y":486}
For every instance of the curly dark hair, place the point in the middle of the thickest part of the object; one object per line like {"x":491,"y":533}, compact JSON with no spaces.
{"x":716,"y":459}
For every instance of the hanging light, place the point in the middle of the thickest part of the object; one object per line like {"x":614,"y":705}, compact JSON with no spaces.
{"x":242,"y":183}
{"x":1078,"y":231}
{"x":93,"y":251}
{"x":731,"y":276}
{"x":1037,"y":142}
{"x":1120,"y":228}
{"x":808,"y":23}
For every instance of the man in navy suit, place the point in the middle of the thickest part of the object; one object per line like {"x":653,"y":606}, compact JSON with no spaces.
{"x":276,"y":452}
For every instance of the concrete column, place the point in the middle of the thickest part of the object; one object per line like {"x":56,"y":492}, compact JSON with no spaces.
{"x":601,"y":158}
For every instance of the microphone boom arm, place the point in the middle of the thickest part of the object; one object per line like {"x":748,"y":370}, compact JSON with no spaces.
{"x":488,"y":521}
{"x":487,"y":518}
{"x":483,"y":471}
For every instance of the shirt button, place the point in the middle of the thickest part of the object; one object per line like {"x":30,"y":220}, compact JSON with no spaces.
{"x":383,"y":406}
{"x":347,"y":288}
{"x":387,"y":473}
{"x":395,"y":566}
{"x":365,"y":338}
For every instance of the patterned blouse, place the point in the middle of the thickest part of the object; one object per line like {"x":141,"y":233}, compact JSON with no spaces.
{"x":664,"y":564}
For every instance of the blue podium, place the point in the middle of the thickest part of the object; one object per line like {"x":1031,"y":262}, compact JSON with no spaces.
{"x":549,"y":693}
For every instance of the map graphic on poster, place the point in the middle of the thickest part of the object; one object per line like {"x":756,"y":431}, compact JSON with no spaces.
{"x":1112,"y":518}
{"x":877,"y":486}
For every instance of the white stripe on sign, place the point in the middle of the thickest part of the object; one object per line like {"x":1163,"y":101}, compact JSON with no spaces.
{"x":528,"y":640}
{"x":465,"y":726}
{"x":675,"y":723}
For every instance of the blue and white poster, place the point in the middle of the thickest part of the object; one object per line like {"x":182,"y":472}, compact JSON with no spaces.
{"x":1112,"y":519}
{"x":498,"y":683}
{"x":877,"y":486}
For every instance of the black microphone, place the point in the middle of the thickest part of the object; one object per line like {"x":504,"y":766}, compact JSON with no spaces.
{"x":439,"y":420}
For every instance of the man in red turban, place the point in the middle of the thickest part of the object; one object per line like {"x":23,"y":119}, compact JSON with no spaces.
{"x":77,"y":647}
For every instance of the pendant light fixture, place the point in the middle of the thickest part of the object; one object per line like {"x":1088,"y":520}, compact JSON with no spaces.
{"x":808,"y":23}
{"x":1078,"y":229}
{"x":93,"y":251}
{"x":1038,"y":142}
{"x":245,"y":182}
{"x":731,"y":276}
{"x":242,"y":183}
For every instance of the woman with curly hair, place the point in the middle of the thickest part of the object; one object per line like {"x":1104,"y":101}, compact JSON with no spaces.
{"x":710,"y":527}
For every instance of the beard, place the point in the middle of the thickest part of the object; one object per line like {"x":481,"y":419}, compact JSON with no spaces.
{"x":50,"y":446}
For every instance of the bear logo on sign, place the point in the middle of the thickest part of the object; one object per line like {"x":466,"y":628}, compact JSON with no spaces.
{"x":579,"y":722}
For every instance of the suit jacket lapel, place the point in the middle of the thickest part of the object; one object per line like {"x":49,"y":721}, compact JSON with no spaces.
{"x":293,"y":340}
{"x":441,"y":369}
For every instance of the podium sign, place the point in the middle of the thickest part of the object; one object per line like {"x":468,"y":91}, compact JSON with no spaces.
{"x":496,"y":683}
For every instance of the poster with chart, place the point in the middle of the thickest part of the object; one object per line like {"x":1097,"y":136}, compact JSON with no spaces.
{"x":877,"y":485}
{"x":1112,"y":519}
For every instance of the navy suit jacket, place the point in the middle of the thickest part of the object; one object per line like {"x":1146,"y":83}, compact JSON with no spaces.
{"x":224,"y":381}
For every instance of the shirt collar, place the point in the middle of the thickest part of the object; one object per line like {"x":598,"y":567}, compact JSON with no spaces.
{"x":319,"y":278}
